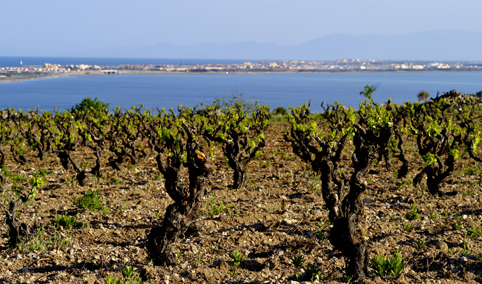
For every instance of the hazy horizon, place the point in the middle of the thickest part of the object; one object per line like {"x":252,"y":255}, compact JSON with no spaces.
{"x":272,"y":27}
{"x":458,"y":45}
{"x":67,"y":26}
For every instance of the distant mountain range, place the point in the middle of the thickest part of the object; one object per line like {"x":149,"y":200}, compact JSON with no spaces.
{"x":455,"y":45}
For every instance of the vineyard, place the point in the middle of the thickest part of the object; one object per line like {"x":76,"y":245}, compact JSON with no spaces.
{"x":234,"y":192}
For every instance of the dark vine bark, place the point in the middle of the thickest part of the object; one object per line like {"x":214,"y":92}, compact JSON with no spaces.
{"x":345,"y":209}
{"x":16,"y":230}
{"x":436,"y":173}
{"x":470,"y":122}
{"x":403,"y":170}
{"x":119,"y":154}
{"x":39,"y":139}
{"x":66,"y":145}
{"x":182,"y":214}
{"x":96,"y":169}
{"x":238,"y":159}
{"x":236,"y":143}
{"x":66,"y":159}
{"x":442,"y":147}
{"x":383,"y":151}
{"x":20,"y":159}
{"x":345,"y":235}
{"x":3,"y":157}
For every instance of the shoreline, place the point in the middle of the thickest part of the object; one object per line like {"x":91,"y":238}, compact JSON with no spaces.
{"x":224,"y":73}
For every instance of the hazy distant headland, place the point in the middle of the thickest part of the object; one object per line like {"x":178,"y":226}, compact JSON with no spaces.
{"x":455,"y":45}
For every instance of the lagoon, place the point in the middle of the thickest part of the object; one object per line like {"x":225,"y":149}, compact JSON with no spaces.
{"x":273,"y":89}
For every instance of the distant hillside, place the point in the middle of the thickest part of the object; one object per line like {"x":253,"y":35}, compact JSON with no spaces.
{"x":432,"y":45}
{"x":453,"y":45}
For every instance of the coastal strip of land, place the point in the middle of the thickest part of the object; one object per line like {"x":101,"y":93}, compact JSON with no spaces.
{"x":28,"y":76}
{"x":17,"y":77}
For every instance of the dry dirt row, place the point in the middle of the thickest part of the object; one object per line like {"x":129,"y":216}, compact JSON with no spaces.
{"x":269,"y":221}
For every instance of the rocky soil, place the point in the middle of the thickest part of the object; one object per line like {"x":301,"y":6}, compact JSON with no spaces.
{"x":280,"y":214}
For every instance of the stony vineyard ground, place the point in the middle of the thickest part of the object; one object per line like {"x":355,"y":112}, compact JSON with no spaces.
{"x":279,"y":215}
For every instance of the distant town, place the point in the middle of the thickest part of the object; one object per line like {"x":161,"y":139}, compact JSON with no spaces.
{"x":342,"y":65}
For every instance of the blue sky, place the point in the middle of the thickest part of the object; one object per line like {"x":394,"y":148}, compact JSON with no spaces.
{"x":96,"y":24}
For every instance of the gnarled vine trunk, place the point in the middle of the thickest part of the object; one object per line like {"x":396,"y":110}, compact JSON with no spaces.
{"x":16,"y":230}
{"x":233,"y":153}
{"x":346,"y":215}
{"x":182,"y":214}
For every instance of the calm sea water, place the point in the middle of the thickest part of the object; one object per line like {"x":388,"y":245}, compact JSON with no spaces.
{"x":273,"y":89}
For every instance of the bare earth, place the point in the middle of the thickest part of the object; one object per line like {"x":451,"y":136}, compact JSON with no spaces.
{"x":269,"y":222}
